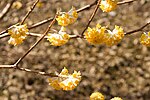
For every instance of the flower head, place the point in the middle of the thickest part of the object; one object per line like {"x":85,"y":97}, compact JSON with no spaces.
{"x":97,"y":96}
{"x":59,"y":39}
{"x":95,"y":35}
{"x":108,"y":5}
{"x":17,"y":34}
{"x":67,"y":17}
{"x":115,"y":36}
{"x":116,"y":98}
{"x":145,"y":39}
{"x":66,"y":81}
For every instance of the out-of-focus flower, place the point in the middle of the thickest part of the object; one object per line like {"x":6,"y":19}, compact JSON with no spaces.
{"x":40,"y":4}
{"x":108,"y":5}
{"x":95,"y":35}
{"x":97,"y":96}
{"x":145,"y":39}
{"x":59,"y":39}
{"x":65,"y":81}
{"x":67,"y":18}
{"x":116,"y":98}
{"x":115,"y":36}
{"x":17,"y":5}
{"x":17,"y":34}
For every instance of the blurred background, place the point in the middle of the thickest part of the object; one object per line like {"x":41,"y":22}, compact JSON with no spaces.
{"x":122,"y":70}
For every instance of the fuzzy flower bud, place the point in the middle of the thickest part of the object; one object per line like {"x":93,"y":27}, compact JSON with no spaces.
{"x":58,"y":39}
{"x":95,"y":35}
{"x":108,"y":5}
{"x":145,"y":39}
{"x":17,"y":34}
{"x":116,"y":98}
{"x":66,"y":81}
{"x":97,"y":96}
{"x":115,"y":36}
{"x":67,"y":17}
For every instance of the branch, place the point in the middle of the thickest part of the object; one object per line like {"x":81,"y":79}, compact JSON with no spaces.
{"x":41,"y":23}
{"x":29,"y":12}
{"x":6,"y":9}
{"x":28,"y":70}
{"x":36,"y":43}
{"x":139,"y":29}
{"x":125,"y":2}
{"x":92,"y":16}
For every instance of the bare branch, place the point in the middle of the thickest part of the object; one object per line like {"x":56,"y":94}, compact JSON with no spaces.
{"x":139,"y":29}
{"x":6,"y":9}
{"x":41,"y":23}
{"x":28,"y":70}
{"x":29,"y":12}
{"x":125,"y":2}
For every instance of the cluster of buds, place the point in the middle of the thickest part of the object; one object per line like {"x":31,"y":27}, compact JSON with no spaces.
{"x":95,"y":35}
{"x":116,"y":98}
{"x":67,"y":18}
{"x":98,"y":35}
{"x":99,"y":96}
{"x":60,"y":38}
{"x":108,"y":5}
{"x":65,"y":81}
{"x":17,"y":34}
{"x":145,"y":39}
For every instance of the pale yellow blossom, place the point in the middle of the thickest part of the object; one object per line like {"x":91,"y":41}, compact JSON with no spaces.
{"x":65,"y":81}
{"x":145,"y":39}
{"x":108,"y":5}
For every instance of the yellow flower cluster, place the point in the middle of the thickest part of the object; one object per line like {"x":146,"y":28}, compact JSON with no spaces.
{"x":108,"y":5}
{"x":98,"y":35}
{"x":145,"y":39}
{"x":17,"y":34}
{"x":97,"y":96}
{"x":95,"y":35}
{"x":65,"y":81}
{"x":116,"y":98}
{"x":59,"y":39}
{"x":67,"y":18}
{"x":115,"y":36}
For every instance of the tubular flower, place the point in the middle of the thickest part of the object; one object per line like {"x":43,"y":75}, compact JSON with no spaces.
{"x":116,"y":98}
{"x":145,"y":39}
{"x":108,"y":5}
{"x":97,"y":96}
{"x":67,"y":17}
{"x":17,"y":34}
{"x":95,"y":35}
{"x":115,"y":36}
{"x":59,"y":39}
{"x":65,"y":81}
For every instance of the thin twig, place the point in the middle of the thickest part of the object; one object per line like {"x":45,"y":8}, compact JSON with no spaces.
{"x":29,"y":12}
{"x":28,"y":70}
{"x":92,"y":16}
{"x":87,"y":7}
{"x":139,"y":29}
{"x":6,"y":9}
{"x":36,"y":43}
{"x":41,"y":23}
{"x":125,"y":2}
